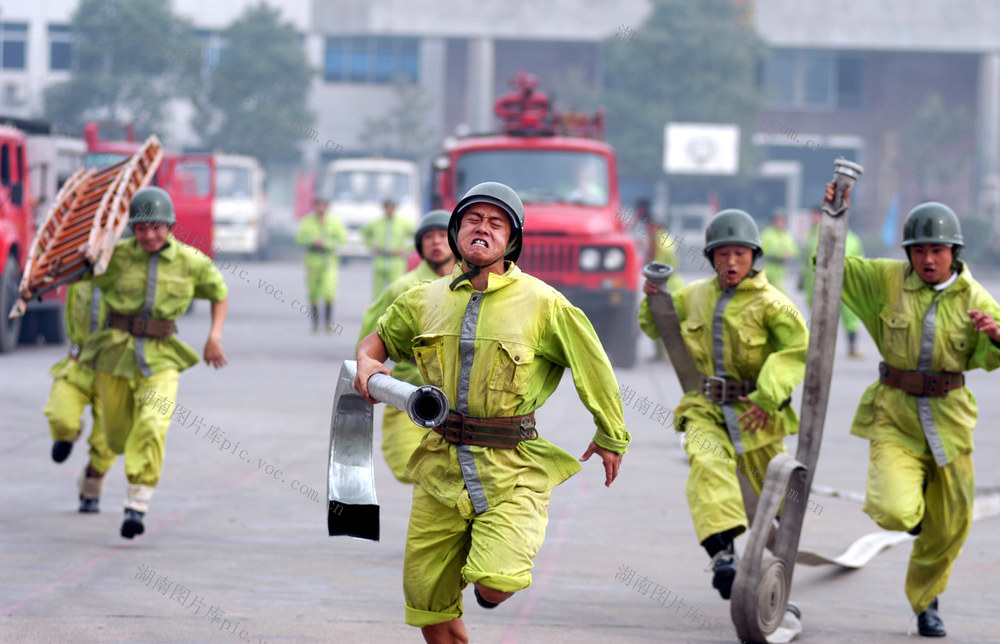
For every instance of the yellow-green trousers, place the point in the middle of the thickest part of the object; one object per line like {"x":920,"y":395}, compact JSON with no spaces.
{"x":321,"y":277}
{"x":776,"y":276}
{"x":400,"y":437}
{"x":713,"y":489}
{"x":64,"y":410}
{"x":136,"y":421}
{"x":387,"y":270}
{"x":449,"y":547}
{"x":896,"y":499}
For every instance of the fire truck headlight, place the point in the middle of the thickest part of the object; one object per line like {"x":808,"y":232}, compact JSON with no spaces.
{"x":590,"y":259}
{"x":614,"y":259}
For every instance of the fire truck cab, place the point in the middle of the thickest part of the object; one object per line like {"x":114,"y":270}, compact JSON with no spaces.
{"x":567,"y":179}
{"x":189,"y":179}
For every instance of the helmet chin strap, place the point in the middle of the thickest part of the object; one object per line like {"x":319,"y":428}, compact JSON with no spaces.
{"x":476,"y":270}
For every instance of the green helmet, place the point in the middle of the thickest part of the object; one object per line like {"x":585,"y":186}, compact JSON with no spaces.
{"x":151,"y":204}
{"x":932,"y":223}
{"x":433,"y":220}
{"x":732,"y":227}
{"x":501,"y":196}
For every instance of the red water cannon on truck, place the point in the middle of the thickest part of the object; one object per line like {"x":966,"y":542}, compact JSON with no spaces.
{"x":565,"y":175}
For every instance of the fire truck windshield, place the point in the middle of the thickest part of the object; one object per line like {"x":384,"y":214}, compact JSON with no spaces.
{"x":232,"y":182}
{"x":102,"y":159}
{"x":360,"y":186}
{"x":539,"y":176}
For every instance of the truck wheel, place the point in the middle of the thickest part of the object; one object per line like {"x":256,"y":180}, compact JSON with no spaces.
{"x":52,"y":324}
{"x":619,"y":332}
{"x":622,"y":349}
{"x":10,"y":329}
{"x":29,"y":329}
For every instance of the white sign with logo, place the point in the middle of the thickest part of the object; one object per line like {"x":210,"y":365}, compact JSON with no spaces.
{"x":701,"y":148}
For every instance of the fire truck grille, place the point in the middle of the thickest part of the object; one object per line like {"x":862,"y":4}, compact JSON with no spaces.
{"x":547,"y":257}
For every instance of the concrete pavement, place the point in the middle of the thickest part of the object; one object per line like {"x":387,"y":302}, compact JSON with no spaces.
{"x":236,"y":550}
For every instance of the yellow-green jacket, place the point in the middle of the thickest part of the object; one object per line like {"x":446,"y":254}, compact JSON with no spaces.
{"x":386,"y":238}
{"x":331,"y":231}
{"x":778,"y":245}
{"x":764,"y":339}
{"x":524,"y":334}
{"x":665,"y":254}
{"x":891,"y":300}
{"x":406,"y":371}
{"x":183,"y":274}
{"x":80,"y":322}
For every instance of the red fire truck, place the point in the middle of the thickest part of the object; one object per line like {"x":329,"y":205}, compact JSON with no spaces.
{"x":188,"y":178}
{"x":34,"y":161}
{"x":566,"y":177}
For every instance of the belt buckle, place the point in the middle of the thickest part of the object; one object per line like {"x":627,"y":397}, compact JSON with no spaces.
{"x":707,"y":388}
{"x":460,"y":435}
{"x":139,"y":326}
{"x":528,"y":431}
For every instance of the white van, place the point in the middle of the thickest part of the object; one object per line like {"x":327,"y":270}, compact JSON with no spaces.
{"x":356,"y":189}
{"x":239,"y":209}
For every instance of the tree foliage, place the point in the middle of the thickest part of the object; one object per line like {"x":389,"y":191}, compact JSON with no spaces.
{"x":254,"y":101}
{"x":935,"y":145}
{"x":131,"y":58}
{"x":690,"y":61}
{"x":404,"y":129}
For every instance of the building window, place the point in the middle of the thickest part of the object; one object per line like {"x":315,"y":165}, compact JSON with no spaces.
{"x":13,"y":45}
{"x":818,"y":80}
{"x":60,"y":47}
{"x":370,"y":59}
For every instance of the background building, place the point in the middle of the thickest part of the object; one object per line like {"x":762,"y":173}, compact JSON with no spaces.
{"x":845,"y":78}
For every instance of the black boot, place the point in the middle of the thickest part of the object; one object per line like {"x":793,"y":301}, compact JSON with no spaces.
{"x":724,"y":571}
{"x":328,"y":314}
{"x":61,"y":450}
{"x":133,"y":523}
{"x":314,"y":317}
{"x":929,"y":623}
{"x":720,"y":549}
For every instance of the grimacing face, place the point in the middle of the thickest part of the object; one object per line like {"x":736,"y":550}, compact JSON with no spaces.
{"x":732,"y":263}
{"x":483,"y":233}
{"x":151,"y":235}
{"x":932,"y":262}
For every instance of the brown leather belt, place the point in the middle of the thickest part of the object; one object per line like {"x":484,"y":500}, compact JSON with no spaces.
{"x":723,"y":391}
{"x":137,"y":325}
{"x":930,"y":383}
{"x":503,"y":433}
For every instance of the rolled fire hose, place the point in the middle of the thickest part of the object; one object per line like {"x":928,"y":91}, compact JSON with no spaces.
{"x":352,"y":508}
{"x":760,"y":591}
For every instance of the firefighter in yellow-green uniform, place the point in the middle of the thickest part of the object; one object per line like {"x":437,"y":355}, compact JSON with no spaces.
{"x":497,"y":342}
{"x":73,"y":390}
{"x":780,"y":249}
{"x":854,"y":248}
{"x":749,"y":342}
{"x":149,"y":282}
{"x":322,"y":234}
{"x":388,"y":237}
{"x":400,"y":435}
{"x":931,"y":321}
